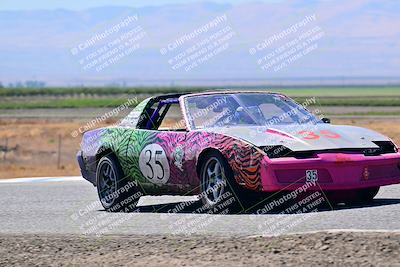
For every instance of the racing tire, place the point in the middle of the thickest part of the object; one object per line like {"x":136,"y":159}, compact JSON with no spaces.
{"x":219,"y":191}
{"x":352,"y":197}
{"x":116,"y":192}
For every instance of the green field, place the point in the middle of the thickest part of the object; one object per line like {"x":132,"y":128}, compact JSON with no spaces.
{"x":87,"y":91}
{"x":63,"y":103}
{"x":81,"y":97}
{"x":343,"y":92}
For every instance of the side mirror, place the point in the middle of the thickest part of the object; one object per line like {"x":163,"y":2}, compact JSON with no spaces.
{"x":326,"y":120}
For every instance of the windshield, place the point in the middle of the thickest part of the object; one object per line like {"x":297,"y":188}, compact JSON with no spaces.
{"x":253,"y":109}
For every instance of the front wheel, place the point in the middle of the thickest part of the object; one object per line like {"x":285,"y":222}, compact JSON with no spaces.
{"x":355,"y":196}
{"x":365,"y":195}
{"x":219,"y":191}
{"x":116,"y":192}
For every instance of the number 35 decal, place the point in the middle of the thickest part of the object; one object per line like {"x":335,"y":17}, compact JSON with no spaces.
{"x":153,"y":164}
{"x":308,"y":135}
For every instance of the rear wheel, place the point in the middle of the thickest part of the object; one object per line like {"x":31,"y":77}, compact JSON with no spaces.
{"x":115,"y":191}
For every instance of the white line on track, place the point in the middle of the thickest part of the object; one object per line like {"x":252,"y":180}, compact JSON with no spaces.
{"x":41,"y":179}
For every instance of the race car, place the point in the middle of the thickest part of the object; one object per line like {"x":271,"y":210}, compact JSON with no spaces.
{"x":232,"y":142}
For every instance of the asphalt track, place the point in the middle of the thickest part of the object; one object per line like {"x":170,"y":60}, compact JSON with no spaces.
{"x":69,"y":205}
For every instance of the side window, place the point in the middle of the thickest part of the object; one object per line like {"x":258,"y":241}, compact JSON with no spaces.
{"x":163,"y":115}
{"x":150,"y":116}
{"x":173,"y":119}
{"x":211,"y":111}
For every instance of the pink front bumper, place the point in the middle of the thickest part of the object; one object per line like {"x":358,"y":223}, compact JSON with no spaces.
{"x":336,"y":171}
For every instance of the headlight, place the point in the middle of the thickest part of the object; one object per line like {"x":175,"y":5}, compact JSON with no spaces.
{"x":280,"y":151}
{"x":395,"y":145}
{"x":386,"y":147}
{"x":276,"y":151}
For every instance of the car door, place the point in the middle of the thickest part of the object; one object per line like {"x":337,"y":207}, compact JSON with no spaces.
{"x":161,"y":157}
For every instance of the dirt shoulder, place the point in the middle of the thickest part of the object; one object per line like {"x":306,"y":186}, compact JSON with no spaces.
{"x":317,"y":249}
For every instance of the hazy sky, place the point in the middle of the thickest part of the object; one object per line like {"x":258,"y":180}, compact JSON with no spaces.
{"x":357,"y":38}
{"x":79,"y":4}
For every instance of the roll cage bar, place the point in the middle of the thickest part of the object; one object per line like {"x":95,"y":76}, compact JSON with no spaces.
{"x":151,"y":118}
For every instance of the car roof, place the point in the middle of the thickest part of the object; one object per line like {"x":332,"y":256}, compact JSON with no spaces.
{"x":214,"y":92}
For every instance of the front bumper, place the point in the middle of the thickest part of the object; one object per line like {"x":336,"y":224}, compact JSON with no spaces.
{"x":336,"y":171}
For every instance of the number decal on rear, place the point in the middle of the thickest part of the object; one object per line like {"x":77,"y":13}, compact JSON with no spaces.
{"x":153,"y":164}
